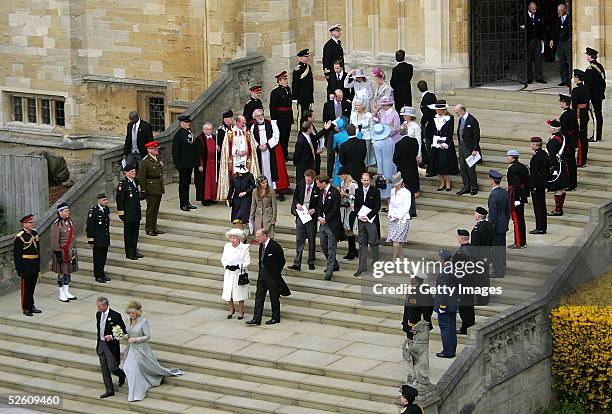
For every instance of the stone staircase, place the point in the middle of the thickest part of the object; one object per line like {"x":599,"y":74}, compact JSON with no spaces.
{"x":337,"y":348}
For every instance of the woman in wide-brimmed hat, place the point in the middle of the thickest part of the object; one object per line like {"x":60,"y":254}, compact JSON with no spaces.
{"x":399,"y":215}
{"x":383,"y":149}
{"x":235,"y":259}
{"x":364,"y":91}
{"x":443,"y":155}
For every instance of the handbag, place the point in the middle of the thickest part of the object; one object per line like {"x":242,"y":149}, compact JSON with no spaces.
{"x":380,"y":182}
{"x":243,"y":277}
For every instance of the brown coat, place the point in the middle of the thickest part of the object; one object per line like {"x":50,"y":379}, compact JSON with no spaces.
{"x":263,"y":212}
{"x":63,"y":242}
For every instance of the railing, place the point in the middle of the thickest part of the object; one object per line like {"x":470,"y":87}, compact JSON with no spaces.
{"x":518,"y":339}
{"x":230,"y":90}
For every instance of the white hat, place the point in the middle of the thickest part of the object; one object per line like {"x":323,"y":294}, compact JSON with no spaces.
{"x":334,"y":27}
{"x":408,"y":110}
{"x":440,"y":104}
{"x":234,"y":232}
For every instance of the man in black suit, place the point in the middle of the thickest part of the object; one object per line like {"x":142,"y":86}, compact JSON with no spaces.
{"x":352,"y":153}
{"x":184,"y":157}
{"x":330,"y":224}
{"x":468,"y":134}
{"x":427,"y":120}
{"x":305,"y":198}
{"x":562,"y":39}
{"x":596,"y":82}
{"x":499,"y":216}
{"x":139,"y":133}
{"x":332,"y":50}
{"x":128,"y":199}
{"x":332,"y":110}
{"x":307,"y":149}
{"x":98,"y":236}
{"x":107,"y":347}
{"x":271,"y":263}
{"x":335,"y":80}
{"x":538,"y":173}
{"x":308,"y":116}
{"x":368,"y":226}
{"x":535,"y":43}
{"x":400,"y":80}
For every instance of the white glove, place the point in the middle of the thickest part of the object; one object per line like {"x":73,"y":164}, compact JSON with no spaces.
{"x":517,"y":203}
{"x":294,"y":101}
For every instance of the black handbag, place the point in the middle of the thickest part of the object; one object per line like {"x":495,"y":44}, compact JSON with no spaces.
{"x":380,"y":182}
{"x":243,"y":277}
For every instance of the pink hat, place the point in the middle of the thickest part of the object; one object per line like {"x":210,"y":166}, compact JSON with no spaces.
{"x":378,"y":72}
{"x":385,"y":100}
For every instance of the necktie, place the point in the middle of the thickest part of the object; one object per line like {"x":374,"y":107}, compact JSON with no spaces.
{"x":338,"y":76}
{"x":134,"y":130}
{"x":308,"y":192}
{"x":102,"y":325}
{"x":365,"y":193}
{"x":324,"y":196}
{"x":339,"y":43}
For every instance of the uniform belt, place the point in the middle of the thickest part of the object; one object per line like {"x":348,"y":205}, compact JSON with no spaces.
{"x":582,"y":106}
{"x":283,"y":108}
{"x":29,"y":256}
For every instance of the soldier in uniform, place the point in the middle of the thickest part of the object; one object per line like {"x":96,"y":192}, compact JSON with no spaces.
{"x":184,"y":158}
{"x":558,"y":154}
{"x":26,"y":254}
{"x":518,"y":191}
{"x":596,"y":82}
{"x":445,"y":305}
{"x":538,"y":173}
{"x":98,"y":236}
{"x":151,"y":175}
{"x":569,"y":129}
{"x":253,"y":104}
{"x":332,"y":51}
{"x":467,"y":278}
{"x":580,"y":104}
{"x":302,"y":83}
{"x":63,"y":244}
{"x":481,"y":240}
{"x":408,"y":395}
{"x":281,"y":110}
{"x":128,"y":208}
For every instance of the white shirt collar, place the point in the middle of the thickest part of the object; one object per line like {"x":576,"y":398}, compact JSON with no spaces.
{"x":101,"y":208}
{"x":465,"y":116}
{"x":266,"y":243}
{"x":334,"y":39}
{"x":530,"y":14}
{"x":424,"y":93}
{"x":327,"y":188}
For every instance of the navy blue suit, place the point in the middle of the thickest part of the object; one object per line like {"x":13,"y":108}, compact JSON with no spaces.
{"x":499,"y":216}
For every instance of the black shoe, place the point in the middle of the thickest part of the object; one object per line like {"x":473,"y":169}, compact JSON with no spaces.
{"x":430,"y":175}
{"x":462,"y":332}
{"x":294,"y":267}
{"x":107,"y":394}
{"x":138,"y":255}
{"x":240,"y":317}
{"x":529,"y":82}
{"x":108,"y":279}
{"x":328,"y":277}
{"x":151,"y":233}
{"x":191,"y":206}
{"x":357,"y":273}
{"x":536,"y":231}
{"x":462,"y":191}
{"x":281,"y":197}
{"x":252,"y":322}
{"x":311,"y":267}
{"x":132,"y":257}
{"x":349,"y":256}
{"x":541,"y":81}
{"x":563,"y":84}
{"x":272,"y":322}
{"x":441,"y":355}
{"x":441,"y":188}
{"x":205,"y":203}
{"x":185,"y":208}
{"x":34,"y":310}
{"x":121,"y":380}
{"x":28,"y":313}
{"x":474,"y":192}
{"x":555,"y":213}
{"x":159,"y":231}
{"x":101,"y":280}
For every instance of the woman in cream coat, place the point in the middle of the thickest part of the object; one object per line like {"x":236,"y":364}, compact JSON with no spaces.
{"x":399,"y":215}
{"x":235,"y":259}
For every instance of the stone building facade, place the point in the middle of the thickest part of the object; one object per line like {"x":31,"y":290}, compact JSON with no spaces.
{"x":74,"y":68}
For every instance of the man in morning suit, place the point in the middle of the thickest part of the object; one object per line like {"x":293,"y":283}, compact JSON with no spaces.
{"x":596,"y":82}
{"x":534,"y":28}
{"x":306,"y":149}
{"x":538,"y":176}
{"x":368,"y":226}
{"x":302,"y":82}
{"x":305,"y":198}
{"x":445,"y":305}
{"x":332,"y":110}
{"x":468,"y":133}
{"x":139,"y":133}
{"x":107,"y":347}
{"x":128,"y":199}
{"x":352,"y":153}
{"x":335,"y":80}
{"x":271,"y":263}
{"x":98,"y":236}
{"x":151,"y":175}
{"x":332,"y":50}
{"x":330,"y":224}
{"x":580,"y":104}
{"x":184,"y":158}
{"x":562,"y":39}
{"x":518,"y":193}
{"x":569,"y":129}
{"x":427,"y":120}
{"x":26,"y":255}
{"x":281,"y":110}
{"x":308,"y":116}
{"x":499,"y":216}
{"x":400,"y":80}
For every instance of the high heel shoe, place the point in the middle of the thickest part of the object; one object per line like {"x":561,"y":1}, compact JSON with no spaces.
{"x":230,"y":315}
{"x":240,"y":317}
{"x":448,"y":189}
{"x":441,"y":188}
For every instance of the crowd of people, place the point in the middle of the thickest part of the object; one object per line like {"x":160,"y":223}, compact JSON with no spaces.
{"x":374,"y":149}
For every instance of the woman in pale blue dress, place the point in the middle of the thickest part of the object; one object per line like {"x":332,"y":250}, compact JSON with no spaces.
{"x":140,"y":366}
{"x":340,"y":138}
{"x":383,"y":148}
{"x":363,"y":121}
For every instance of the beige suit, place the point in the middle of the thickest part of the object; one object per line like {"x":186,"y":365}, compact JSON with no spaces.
{"x":263,"y":212}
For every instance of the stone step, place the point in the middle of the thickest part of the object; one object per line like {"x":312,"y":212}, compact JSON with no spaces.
{"x":201,"y":390}
{"x":473,"y":103}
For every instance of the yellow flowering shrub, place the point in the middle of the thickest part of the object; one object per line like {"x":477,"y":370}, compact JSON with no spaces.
{"x":582,"y":355}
